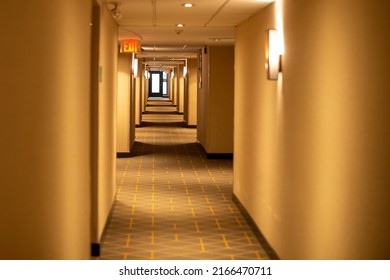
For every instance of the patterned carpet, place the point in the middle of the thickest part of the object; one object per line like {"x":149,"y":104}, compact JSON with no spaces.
{"x":172,"y":202}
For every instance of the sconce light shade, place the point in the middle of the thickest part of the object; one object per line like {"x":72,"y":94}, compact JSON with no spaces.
{"x":272,"y":54}
{"x":135,"y":67}
{"x":185,"y":71}
{"x":130,"y":45}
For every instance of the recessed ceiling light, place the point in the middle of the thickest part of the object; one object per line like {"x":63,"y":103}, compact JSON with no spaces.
{"x":188,"y":5}
{"x":180,"y":25}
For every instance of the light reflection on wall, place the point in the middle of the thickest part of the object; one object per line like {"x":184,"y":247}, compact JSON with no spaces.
{"x":280,"y":28}
{"x":279,"y":24}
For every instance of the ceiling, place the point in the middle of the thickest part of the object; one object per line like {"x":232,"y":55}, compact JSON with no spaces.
{"x":208,"y":22}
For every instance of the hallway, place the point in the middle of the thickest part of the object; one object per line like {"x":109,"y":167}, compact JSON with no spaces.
{"x":172,"y":202}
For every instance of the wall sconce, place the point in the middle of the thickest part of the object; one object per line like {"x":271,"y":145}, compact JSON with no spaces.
{"x":135,"y":67}
{"x":273,"y":56}
{"x":185,"y":71}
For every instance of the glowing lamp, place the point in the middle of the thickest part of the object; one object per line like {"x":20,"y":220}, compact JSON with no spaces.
{"x":273,"y":54}
{"x":135,"y":67}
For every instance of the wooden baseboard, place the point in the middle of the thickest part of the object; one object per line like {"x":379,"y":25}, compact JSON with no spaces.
{"x":123,"y":155}
{"x":219,"y":156}
{"x":95,"y":250}
{"x":215,"y":155}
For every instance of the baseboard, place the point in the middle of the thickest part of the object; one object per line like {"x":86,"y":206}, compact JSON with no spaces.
{"x":219,"y":155}
{"x":161,"y":105}
{"x":123,"y":155}
{"x":162,"y":113}
{"x":215,"y":155}
{"x":95,"y":250}
{"x":260,"y":237}
{"x":96,"y":247}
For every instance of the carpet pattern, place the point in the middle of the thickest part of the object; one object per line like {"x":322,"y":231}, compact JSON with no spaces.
{"x":172,"y":202}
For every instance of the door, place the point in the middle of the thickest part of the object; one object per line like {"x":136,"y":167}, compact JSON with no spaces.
{"x":155,"y":84}
{"x":158,"y":84}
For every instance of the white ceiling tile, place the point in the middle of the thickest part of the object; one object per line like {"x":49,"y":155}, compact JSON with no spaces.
{"x":153,"y":21}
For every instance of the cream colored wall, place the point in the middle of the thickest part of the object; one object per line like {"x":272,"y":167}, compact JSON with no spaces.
{"x":186,"y":100}
{"x":191,"y":98}
{"x":221,"y":99}
{"x":180,"y":94}
{"x":123,"y":104}
{"x":45,"y":129}
{"x":133,"y":102}
{"x":311,"y":158}
{"x":176,"y":86}
{"x":107,"y":118}
{"x":137,"y":93}
{"x":203,"y":104}
{"x":171,"y":85}
{"x":145,"y":93}
{"x":216,"y":100}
